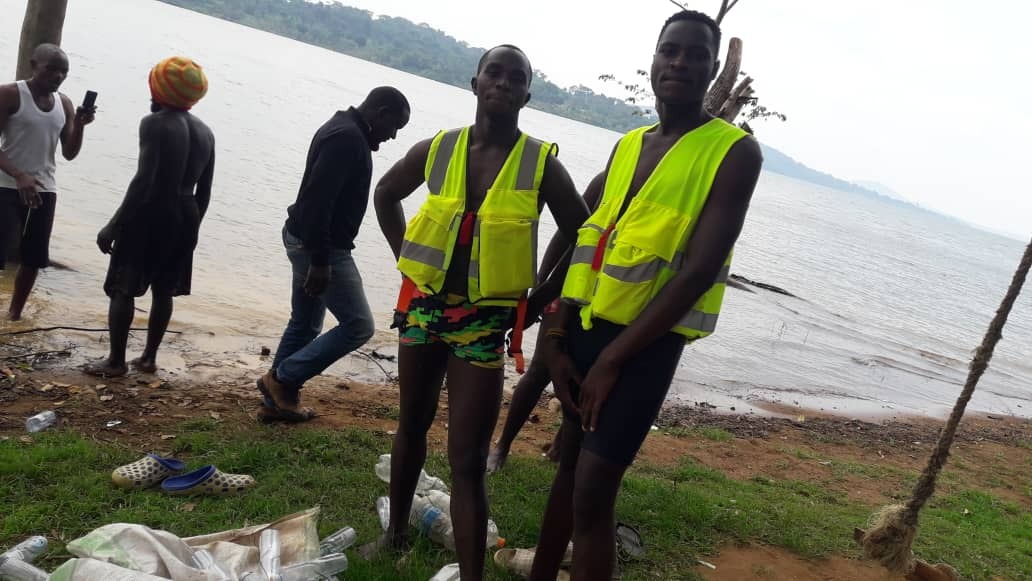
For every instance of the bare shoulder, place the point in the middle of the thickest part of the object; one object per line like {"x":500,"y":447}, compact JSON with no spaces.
{"x":421,"y":150}
{"x":738,"y":173}
{"x":745,"y":153}
{"x":201,"y":128}
{"x":554,"y":170}
{"x":9,"y":98}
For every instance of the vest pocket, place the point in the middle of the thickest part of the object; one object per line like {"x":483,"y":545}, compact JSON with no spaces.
{"x":646,"y":242}
{"x":623,"y":287}
{"x":427,"y":236}
{"x":506,"y":256}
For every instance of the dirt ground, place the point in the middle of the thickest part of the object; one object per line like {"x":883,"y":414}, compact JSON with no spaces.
{"x":871,"y":462}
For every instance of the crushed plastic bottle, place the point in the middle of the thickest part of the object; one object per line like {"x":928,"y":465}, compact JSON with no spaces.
{"x":447,"y":573}
{"x":425,"y":484}
{"x":205,"y":561}
{"x":443,"y":502}
{"x":269,"y":554}
{"x":324,"y":567}
{"x":40,"y":421}
{"x":432,"y":522}
{"x":338,"y":542}
{"x":18,"y":570}
{"x":383,"y":508}
{"x":28,"y":550}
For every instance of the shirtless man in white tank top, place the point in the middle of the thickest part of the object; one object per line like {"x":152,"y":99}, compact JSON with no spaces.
{"x":34,"y":119}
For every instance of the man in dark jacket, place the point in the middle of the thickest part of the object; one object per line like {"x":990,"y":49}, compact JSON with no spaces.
{"x":319,"y":236}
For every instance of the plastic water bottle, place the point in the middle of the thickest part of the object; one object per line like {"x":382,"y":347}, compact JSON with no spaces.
{"x":338,"y":542}
{"x":28,"y":550}
{"x":18,"y":570}
{"x":425,"y":484}
{"x":443,"y":502}
{"x":447,"y":573}
{"x":494,"y":540}
{"x":432,"y":522}
{"x":324,"y":567}
{"x":269,"y":554}
{"x":383,"y":508}
{"x":40,"y":421}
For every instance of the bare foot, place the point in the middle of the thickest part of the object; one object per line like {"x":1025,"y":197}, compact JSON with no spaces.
{"x":144,"y":365}
{"x":104,"y":368}
{"x":496,"y":459}
{"x":384,"y":544}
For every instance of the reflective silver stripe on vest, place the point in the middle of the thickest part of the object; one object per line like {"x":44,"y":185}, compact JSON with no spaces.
{"x":474,"y":269}
{"x":699,"y":320}
{"x":528,"y":164}
{"x":422,"y":254}
{"x":445,"y":150}
{"x":649,"y":270}
{"x":583,"y":255}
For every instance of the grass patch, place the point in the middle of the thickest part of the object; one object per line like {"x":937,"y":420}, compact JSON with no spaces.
{"x":712,"y":434}
{"x":59,"y":486}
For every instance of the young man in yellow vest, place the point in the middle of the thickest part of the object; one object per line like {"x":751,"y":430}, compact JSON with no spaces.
{"x":468,"y":258}
{"x":646,"y":275}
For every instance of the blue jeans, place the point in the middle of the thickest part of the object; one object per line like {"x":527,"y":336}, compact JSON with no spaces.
{"x":302,"y":352}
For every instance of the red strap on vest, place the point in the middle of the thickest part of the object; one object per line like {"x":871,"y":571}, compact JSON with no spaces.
{"x":600,"y":250}
{"x":408,"y":290}
{"x":516,"y":345}
{"x":466,"y":229}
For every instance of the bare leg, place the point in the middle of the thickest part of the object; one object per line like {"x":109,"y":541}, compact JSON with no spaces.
{"x":421,"y":371}
{"x":120,"y":318}
{"x":524,"y":398}
{"x":594,"y":518}
{"x":474,"y":396}
{"x":160,"y":315}
{"x":556,"y":446}
{"x":557,"y":526}
{"x":23,"y":283}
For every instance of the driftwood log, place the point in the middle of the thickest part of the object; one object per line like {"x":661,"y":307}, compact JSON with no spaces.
{"x":44,"y":21}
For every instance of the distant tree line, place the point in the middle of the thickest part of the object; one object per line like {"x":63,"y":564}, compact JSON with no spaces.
{"x":404,"y":45}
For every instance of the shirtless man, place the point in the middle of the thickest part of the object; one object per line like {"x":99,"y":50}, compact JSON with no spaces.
{"x":151,"y":237}
{"x":34,"y":118}
{"x":648,"y":274}
{"x":468,"y":257}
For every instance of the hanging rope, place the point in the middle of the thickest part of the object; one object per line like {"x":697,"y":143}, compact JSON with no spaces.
{"x":894,"y":527}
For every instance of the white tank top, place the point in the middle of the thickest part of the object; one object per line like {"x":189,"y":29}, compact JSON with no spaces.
{"x":31,"y":139}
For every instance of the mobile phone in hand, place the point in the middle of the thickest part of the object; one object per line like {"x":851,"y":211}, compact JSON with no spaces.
{"x":89,"y":101}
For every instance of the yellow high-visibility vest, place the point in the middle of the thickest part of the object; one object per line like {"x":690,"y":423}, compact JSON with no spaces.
{"x":503,"y":259}
{"x":621,"y":263}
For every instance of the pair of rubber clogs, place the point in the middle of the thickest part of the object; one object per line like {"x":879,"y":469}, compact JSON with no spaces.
{"x":207,"y":480}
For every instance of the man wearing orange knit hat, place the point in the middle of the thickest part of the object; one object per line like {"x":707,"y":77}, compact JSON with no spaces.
{"x":152,"y":236}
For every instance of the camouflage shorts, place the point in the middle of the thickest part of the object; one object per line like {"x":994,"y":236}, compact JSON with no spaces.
{"x":475,"y":334}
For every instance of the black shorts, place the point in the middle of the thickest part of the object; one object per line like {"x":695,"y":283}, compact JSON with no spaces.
{"x":31,"y":237}
{"x":154,"y":249}
{"x":628,"y":413}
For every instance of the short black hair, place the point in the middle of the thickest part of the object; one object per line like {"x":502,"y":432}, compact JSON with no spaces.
{"x":47,"y":51}
{"x":483,"y":57}
{"x":389,"y":98}
{"x":694,"y":16}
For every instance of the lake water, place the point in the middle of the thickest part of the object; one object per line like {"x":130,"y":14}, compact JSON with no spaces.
{"x":892,"y":299}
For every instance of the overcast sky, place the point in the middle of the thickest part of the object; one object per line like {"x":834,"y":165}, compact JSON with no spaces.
{"x":926,"y":97}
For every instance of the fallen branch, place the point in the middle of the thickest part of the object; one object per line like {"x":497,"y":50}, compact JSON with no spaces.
{"x":390,"y":376}
{"x":62,"y":352}
{"x":63,"y":328}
